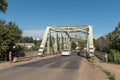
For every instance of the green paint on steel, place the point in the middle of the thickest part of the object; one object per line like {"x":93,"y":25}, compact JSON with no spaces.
{"x":61,"y":39}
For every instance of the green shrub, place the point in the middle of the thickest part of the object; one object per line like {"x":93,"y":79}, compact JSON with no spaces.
{"x":114,"y":56}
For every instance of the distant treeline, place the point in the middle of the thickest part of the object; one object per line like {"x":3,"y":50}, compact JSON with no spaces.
{"x":110,"y":44}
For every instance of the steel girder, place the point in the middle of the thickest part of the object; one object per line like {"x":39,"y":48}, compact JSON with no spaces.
{"x":59,"y":42}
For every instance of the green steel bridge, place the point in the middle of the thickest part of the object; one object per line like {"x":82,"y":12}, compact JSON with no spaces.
{"x":58,"y":38}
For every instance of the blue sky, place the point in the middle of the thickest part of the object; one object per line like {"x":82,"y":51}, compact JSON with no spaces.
{"x":33,"y":16}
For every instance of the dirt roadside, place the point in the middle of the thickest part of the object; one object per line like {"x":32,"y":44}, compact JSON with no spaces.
{"x":88,"y":71}
{"x":113,"y":68}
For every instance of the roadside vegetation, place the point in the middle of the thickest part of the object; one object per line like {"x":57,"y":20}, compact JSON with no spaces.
{"x":10,"y":34}
{"x":110,"y":44}
{"x":110,"y":75}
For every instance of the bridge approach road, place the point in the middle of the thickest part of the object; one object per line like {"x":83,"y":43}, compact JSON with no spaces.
{"x":55,"y":68}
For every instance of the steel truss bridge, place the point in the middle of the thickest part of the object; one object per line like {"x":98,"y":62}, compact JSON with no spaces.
{"x":57,"y":38}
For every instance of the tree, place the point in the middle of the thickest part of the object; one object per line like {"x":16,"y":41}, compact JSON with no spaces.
{"x":26,"y":40}
{"x":114,"y":37}
{"x":102,"y":44}
{"x":9,"y":34}
{"x":3,"y":5}
{"x":110,"y":41}
{"x":110,"y":44}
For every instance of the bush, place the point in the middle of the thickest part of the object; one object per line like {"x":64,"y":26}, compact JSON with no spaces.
{"x":114,"y":56}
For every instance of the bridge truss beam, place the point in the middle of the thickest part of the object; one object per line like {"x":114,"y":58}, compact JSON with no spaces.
{"x":58,"y":38}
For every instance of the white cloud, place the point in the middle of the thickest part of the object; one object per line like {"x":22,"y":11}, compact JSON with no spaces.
{"x":34,"y":33}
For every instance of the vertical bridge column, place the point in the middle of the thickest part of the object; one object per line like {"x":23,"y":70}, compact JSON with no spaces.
{"x":90,"y":40}
{"x":43,"y":43}
{"x":48,"y":43}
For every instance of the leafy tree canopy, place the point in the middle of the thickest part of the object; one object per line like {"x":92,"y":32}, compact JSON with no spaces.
{"x":115,"y":38}
{"x":110,"y":41}
{"x":3,"y":5}
{"x":26,"y":40}
{"x":9,"y":34}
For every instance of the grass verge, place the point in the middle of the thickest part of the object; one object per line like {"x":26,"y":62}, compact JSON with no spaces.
{"x":110,"y":75}
{"x":2,"y":61}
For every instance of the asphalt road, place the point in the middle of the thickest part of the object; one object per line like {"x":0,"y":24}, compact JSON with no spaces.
{"x":55,"y":68}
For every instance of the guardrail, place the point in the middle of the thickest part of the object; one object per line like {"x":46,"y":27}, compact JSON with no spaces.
{"x":102,"y":55}
{"x":19,"y":59}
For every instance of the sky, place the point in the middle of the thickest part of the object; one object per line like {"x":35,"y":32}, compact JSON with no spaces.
{"x":33,"y":16}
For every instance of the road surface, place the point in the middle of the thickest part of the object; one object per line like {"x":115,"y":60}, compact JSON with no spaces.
{"x":55,"y":68}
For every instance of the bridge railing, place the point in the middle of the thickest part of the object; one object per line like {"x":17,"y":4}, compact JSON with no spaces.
{"x":27,"y":57}
{"x":102,"y":55}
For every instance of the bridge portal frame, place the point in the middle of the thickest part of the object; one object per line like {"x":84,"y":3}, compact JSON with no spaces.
{"x":58,"y":41}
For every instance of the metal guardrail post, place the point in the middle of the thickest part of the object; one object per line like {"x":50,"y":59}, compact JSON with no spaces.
{"x":106,"y":57}
{"x":103,"y":56}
